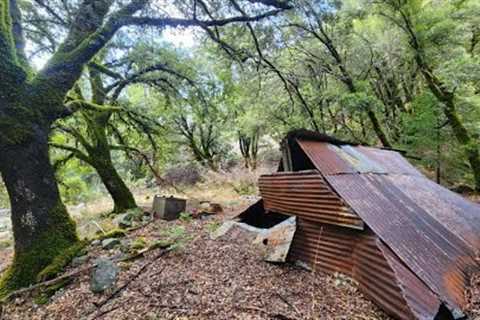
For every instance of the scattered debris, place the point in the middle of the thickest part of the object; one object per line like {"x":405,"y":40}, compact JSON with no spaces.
{"x":209,"y":208}
{"x":473,"y":298}
{"x":104,"y":275}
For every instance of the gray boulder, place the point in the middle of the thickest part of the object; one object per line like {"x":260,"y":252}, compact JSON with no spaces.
{"x":110,"y":243}
{"x":104,"y":275}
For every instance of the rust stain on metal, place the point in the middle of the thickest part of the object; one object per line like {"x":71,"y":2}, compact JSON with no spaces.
{"x":326,"y":160}
{"x":360,"y":255}
{"x":370,"y":214}
{"x":307,"y":195}
{"x":427,"y":247}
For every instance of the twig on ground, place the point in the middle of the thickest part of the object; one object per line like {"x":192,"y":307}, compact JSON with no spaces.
{"x":73,"y":274}
{"x":47,"y":283}
{"x":117,"y":291}
{"x":269,"y":314}
{"x":289,"y":304}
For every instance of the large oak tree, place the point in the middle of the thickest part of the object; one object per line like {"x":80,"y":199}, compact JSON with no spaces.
{"x":30,"y":102}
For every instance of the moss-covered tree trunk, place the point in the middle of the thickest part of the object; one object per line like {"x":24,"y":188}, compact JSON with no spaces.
{"x":122,"y":197}
{"x":99,"y":151}
{"x":41,"y":226}
{"x":30,"y":102}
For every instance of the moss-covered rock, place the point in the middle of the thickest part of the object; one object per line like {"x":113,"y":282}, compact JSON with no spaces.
{"x":114,"y":233}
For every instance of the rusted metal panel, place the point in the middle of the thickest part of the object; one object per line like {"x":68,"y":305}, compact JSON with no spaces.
{"x":392,"y":162}
{"x":435,"y":255}
{"x":325,"y":158}
{"x":450,"y":209}
{"x":331,"y":159}
{"x":422,"y":301}
{"x":416,"y":251}
{"x":358,"y":254}
{"x":307,"y":195}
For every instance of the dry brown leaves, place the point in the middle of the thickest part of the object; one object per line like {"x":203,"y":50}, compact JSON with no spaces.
{"x":222,"y":279}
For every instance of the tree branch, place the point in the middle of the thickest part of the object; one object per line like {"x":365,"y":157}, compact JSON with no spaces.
{"x":179,"y":22}
{"x":75,"y":151}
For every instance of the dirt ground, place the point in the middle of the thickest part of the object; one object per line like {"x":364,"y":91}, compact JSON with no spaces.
{"x":207,"y":279}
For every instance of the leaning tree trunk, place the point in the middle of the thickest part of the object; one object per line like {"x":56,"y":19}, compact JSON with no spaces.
{"x":42,"y":228}
{"x":118,"y":190}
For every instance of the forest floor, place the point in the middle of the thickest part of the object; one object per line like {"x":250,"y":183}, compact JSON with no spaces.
{"x":201,"y":279}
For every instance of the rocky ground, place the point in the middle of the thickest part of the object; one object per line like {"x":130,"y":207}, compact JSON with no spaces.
{"x":201,"y":279}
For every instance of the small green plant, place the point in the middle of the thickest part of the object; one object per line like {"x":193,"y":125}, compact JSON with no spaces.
{"x":177,"y":236}
{"x":185,"y":217}
{"x":212,"y":226}
{"x":244,"y":187}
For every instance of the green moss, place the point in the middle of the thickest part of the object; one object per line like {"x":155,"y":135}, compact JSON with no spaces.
{"x":115,"y":233}
{"x":29,"y":262}
{"x":61,"y":261}
{"x":161,"y":244}
{"x":48,"y":292}
{"x":139,"y":243}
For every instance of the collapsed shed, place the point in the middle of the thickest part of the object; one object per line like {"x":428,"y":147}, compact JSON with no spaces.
{"x":366,"y":212}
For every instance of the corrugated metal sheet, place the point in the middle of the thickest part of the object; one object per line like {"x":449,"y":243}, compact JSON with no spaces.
{"x":419,"y":298}
{"x":439,"y":258}
{"x":392,"y":162}
{"x":331,"y":159}
{"x":307,"y":195}
{"x":360,"y":254}
{"x":325,"y":158}
{"x":450,"y":209}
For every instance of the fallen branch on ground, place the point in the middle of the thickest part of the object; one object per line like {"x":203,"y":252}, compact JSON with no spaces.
{"x":73,"y":274}
{"x":117,"y":291}
{"x":289,"y":304}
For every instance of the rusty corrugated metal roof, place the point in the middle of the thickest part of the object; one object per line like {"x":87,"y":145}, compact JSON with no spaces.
{"x":362,"y":255}
{"x":307,"y":195}
{"x":431,"y":230}
{"x":422,"y":243}
{"x":342,"y":159}
{"x":460,"y":217}
{"x":325,"y":158}
{"x":417,"y":247}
